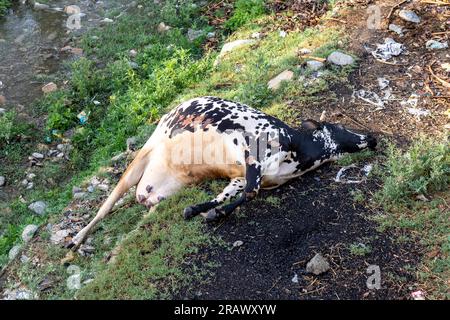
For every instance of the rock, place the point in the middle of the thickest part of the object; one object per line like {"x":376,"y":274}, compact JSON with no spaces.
{"x":103,"y":187}
{"x":317,"y":265}
{"x":2,"y":181}
{"x":59,"y":236}
{"x":397,"y":29}
{"x":76,"y":190}
{"x":119,"y":157}
{"x":162,"y":27}
{"x":231,"y":46}
{"x":2,"y":111}
{"x":210,"y":35}
{"x":275,"y":83}
{"x":31,"y":176}
{"x":37,"y":155}
{"x":314,"y":65}
{"x":49,"y":87}
{"x":38,"y":207}
{"x":304,"y":51}
{"x":77,"y":51}
{"x":256,"y":35}
{"x":28,"y":232}
{"x":436,"y":45}
{"x":283,"y":34}
{"x":295,"y":278}
{"x":133,"y":65}
{"x":2,"y":102}
{"x":194,"y":34}
{"x":131,"y":143}
{"x":30,"y":185}
{"x":24,"y":182}
{"x":340,"y":59}
{"x":107,"y":20}
{"x":72,"y":9}
{"x":91,"y":189}
{"x":95,"y":181}
{"x":79,"y":195}
{"x":132,"y":53}
{"x":24,"y":259}
{"x":14,"y":252}
{"x":238,"y":243}
{"x":409,"y":15}
{"x":41,"y":6}
{"x":18,"y":294}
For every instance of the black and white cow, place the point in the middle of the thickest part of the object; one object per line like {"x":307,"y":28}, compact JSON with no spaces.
{"x":209,"y":137}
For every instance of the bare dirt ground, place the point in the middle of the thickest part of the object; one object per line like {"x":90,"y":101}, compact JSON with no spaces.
{"x":318,"y":215}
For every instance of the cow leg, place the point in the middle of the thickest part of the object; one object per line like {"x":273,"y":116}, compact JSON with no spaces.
{"x":253,"y":179}
{"x":236,"y":185}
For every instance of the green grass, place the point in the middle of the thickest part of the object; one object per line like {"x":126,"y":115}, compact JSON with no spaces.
{"x":422,"y":169}
{"x":360,"y":249}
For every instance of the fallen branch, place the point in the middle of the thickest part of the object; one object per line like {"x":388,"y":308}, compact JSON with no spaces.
{"x":442,"y":81}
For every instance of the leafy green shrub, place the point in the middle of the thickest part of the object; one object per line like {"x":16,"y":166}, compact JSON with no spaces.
{"x":4,"y":5}
{"x":423,"y":168}
{"x":245,"y":11}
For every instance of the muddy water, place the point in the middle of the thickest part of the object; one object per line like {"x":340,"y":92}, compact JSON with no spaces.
{"x":30,"y":45}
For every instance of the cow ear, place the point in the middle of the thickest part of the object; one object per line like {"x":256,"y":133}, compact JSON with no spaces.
{"x":311,"y":125}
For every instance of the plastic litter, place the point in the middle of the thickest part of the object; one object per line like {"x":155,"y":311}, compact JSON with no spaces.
{"x":390,"y":48}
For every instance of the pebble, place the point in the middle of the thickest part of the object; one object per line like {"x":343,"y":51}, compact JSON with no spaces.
{"x":314,"y":65}
{"x":28,"y":232}
{"x":49,"y":87}
{"x":340,"y":59}
{"x":107,"y":20}
{"x":38,"y":207}
{"x":41,"y":6}
{"x":238,"y":243}
{"x":14,"y":252}
{"x":397,"y":29}
{"x":275,"y":83}
{"x":194,"y":34}
{"x":162,"y":27}
{"x":37,"y":155}
{"x":436,"y":45}
{"x":2,"y":110}
{"x":409,"y":15}
{"x":317,"y":265}
{"x":2,"y":181}
{"x":59,"y":236}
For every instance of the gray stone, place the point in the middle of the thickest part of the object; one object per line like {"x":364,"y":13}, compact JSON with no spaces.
{"x":76,"y":190}
{"x":58,"y":236}
{"x":2,"y":111}
{"x":194,"y":34}
{"x":103,"y":187}
{"x":38,"y":207}
{"x":275,"y":83}
{"x":31,"y":176}
{"x":2,"y":181}
{"x":340,"y":59}
{"x":210,"y":35}
{"x":131,"y":143}
{"x":409,"y":15}
{"x":79,"y":195}
{"x":314,"y":65}
{"x":397,"y":29}
{"x":317,"y":265}
{"x":91,"y":189}
{"x":436,"y":45}
{"x":231,"y":46}
{"x":37,"y":155}
{"x":18,"y":294}
{"x":14,"y":252}
{"x":41,"y":6}
{"x":238,"y":243}
{"x":132,"y":53}
{"x":28,"y":232}
{"x":107,"y":20}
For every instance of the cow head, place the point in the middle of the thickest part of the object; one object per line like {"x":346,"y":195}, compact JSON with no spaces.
{"x":336,"y":139}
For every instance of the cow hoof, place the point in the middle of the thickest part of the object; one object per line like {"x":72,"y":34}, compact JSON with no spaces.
{"x":188,"y":213}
